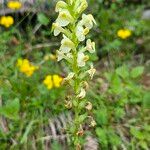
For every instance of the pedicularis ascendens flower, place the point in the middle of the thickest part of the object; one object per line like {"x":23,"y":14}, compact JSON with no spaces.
{"x":74,"y":26}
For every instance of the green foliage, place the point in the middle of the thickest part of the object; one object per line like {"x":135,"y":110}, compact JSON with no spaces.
{"x":43,"y":19}
{"x":136,"y":72}
{"x":11,"y":109}
{"x":111,"y":113}
{"x":120,"y":102}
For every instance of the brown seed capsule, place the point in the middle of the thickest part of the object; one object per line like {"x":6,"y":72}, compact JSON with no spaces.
{"x":68,"y":104}
{"x":80,"y":132}
{"x":89,"y":106}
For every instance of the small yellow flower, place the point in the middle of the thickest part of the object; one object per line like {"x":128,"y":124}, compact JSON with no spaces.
{"x":124,"y":33}
{"x":6,"y":21}
{"x":25,"y":67}
{"x":14,"y":5}
{"x":52,"y":81}
{"x":48,"y":82}
{"x":50,"y":57}
{"x":57,"y":80}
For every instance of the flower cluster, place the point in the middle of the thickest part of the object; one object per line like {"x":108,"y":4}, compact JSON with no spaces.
{"x":6,"y":21}
{"x":14,"y":5}
{"x":26,"y":67}
{"x":53,"y":81}
{"x":74,"y":27}
{"x":124,"y":33}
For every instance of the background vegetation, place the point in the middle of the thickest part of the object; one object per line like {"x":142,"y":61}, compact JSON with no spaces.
{"x":119,"y":92}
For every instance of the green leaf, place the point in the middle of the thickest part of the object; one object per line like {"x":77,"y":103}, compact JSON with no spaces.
{"x":28,"y":129}
{"x":137,"y":71}
{"x":137,"y":133}
{"x":43,"y":19}
{"x":82,"y":117}
{"x":114,"y":139}
{"x":56,"y":146}
{"x":119,"y":113}
{"x":116,"y":84}
{"x":101,"y":116}
{"x":123,"y":71}
{"x":146,"y":100}
{"x":102,"y":136}
{"x":143,"y":145}
{"x":11,"y":109}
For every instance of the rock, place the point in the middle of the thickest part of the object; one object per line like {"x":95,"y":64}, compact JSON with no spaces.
{"x":146,"y":14}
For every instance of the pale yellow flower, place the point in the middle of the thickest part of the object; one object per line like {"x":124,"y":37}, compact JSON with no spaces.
{"x":64,"y":18}
{"x":81,"y":59}
{"x":88,"y":21}
{"x":60,"y":55}
{"x":66,"y":45}
{"x":81,"y":32}
{"x":70,"y":76}
{"x":57,"y":29}
{"x":90,"y":46}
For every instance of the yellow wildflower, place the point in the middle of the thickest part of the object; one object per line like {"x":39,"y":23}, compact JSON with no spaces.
{"x":6,"y":21}
{"x":50,"y":57}
{"x":57,"y":80}
{"x":25,"y":67}
{"x":124,"y":33}
{"x":14,"y":5}
{"x":52,"y":81}
{"x":48,"y":82}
